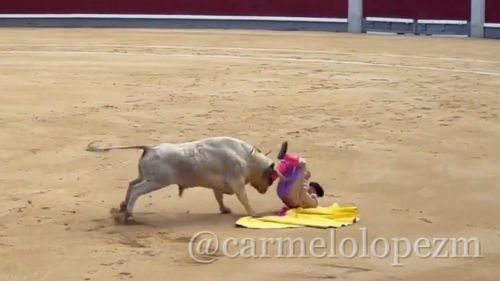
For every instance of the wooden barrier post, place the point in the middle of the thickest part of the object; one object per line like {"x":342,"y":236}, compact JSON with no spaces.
{"x":477,"y":18}
{"x":355,"y":16}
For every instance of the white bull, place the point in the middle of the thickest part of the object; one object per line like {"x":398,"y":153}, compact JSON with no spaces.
{"x":223,"y":164}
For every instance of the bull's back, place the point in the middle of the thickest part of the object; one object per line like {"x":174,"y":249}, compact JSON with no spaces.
{"x":220,"y":152}
{"x":197,"y":161}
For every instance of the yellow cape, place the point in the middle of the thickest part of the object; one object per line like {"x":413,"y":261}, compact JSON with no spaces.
{"x":321,"y":217}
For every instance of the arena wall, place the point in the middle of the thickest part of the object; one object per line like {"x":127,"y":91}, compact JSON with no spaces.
{"x":327,"y":15}
{"x":493,"y":11}
{"x":419,"y":9}
{"x":285,"y":8}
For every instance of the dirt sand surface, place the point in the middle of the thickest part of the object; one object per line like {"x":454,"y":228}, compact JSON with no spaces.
{"x":406,"y":128}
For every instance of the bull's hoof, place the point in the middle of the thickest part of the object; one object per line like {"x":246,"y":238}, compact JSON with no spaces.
{"x":120,"y":217}
{"x":225,"y":210}
{"x":181,"y":190}
{"x":123,"y":207}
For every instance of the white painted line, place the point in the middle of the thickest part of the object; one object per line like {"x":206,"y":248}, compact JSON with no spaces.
{"x":382,"y":33}
{"x":449,"y":35}
{"x":494,"y":25}
{"x":354,"y":63}
{"x":442,"y":21}
{"x":171,"y":17}
{"x":401,"y":20}
{"x":282,"y":59}
{"x":296,"y":51}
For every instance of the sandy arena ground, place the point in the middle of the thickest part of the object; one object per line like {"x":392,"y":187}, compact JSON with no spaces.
{"x":406,"y":128}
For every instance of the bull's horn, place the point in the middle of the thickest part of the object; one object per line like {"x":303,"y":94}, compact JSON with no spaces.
{"x":283,"y":150}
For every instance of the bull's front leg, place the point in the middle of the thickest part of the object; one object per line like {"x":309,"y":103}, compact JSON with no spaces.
{"x":243,"y":198}
{"x":219,"y":197}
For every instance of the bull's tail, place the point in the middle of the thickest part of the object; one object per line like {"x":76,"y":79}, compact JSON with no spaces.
{"x":93,"y":148}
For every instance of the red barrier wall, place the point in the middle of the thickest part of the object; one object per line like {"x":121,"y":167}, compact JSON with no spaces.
{"x":419,"y":9}
{"x":297,"y":8}
{"x":493,"y":11}
{"x":414,"y":9}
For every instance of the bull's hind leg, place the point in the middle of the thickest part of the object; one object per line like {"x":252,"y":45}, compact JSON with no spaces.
{"x":138,"y":189}
{"x":140,"y":177}
{"x":123,"y":205}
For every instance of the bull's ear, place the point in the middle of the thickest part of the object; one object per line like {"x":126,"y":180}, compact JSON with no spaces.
{"x":283,"y":150}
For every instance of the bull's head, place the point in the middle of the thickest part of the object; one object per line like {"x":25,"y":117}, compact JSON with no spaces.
{"x":263,"y":171}
{"x":262,"y":182}
{"x":263,"y":179}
